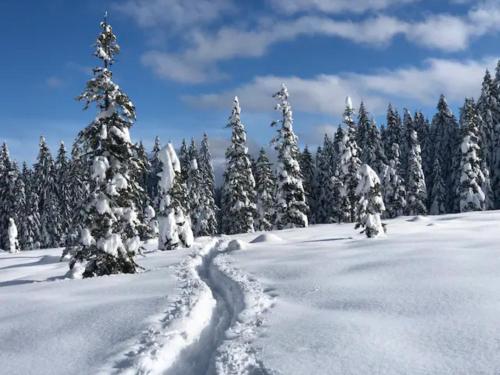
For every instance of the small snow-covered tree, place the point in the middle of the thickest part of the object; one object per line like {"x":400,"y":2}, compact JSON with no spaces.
{"x":174,"y":223}
{"x":238,"y":191}
{"x":12,"y":233}
{"x":416,"y":188}
{"x":291,"y":205}
{"x":208,"y":219}
{"x":370,"y":205}
{"x":30,"y":225}
{"x":472,"y":197}
{"x":349,"y":165}
{"x":265,"y":187}
{"x":109,"y":238}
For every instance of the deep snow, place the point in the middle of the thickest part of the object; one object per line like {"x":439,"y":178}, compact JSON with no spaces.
{"x":322,"y":300}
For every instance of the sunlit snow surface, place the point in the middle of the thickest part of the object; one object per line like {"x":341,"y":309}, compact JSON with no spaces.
{"x":423,"y":300}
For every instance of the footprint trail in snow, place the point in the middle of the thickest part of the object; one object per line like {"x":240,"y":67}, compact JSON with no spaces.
{"x":209,"y":329}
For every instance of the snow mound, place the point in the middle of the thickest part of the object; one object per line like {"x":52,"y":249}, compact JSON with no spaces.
{"x":267,"y":237}
{"x":234,"y":245}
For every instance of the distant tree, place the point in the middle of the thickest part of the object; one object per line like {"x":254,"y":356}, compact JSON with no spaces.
{"x":349,"y":165}
{"x":208,"y":219}
{"x":416,"y":188}
{"x":309,"y":174}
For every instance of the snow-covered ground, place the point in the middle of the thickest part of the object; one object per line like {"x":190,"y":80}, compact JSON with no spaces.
{"x":321,"y":300}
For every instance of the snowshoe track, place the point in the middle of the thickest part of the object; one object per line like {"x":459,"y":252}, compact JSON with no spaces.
{"x":209,"y":329}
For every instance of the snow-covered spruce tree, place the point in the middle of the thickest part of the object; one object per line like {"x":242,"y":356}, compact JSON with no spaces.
{"x":370,"y":205}
{"x":309,"y":173}
{"x":48,"y":202}
{"x":144,"y":226}
{"x":109,"y":238}
{"x":265,"y":187}
{"x":8,"y":177}
{"x":370,"y":142}
{"x":446,"y":144}
{"x":238,"y":191}
{"x":174,"y":223}
{"x":21,"y":218}
{"x":416,"y":188}
{"x":12,"y":235}
{"x":495,"y":169}
{"x":472,"y":197}
{"x":338,"y":213}
{"x":326,"y":167}
{"x":394,"y":190}
{"x":195,"y":189}
{"x":291,"y":205}
{"x":152,"y":180}
{"x":63,"y":193}
{"x":208,"y":220}
{"x":349,"y":165}
{"x":438,"y":191}
{"x":184,"y":159}
{"x":30,"y":226}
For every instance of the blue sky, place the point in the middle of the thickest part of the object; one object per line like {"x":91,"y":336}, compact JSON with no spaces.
{"x":182,"y":61}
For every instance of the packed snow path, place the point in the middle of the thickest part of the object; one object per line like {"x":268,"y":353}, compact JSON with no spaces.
{"x":209,"y":329}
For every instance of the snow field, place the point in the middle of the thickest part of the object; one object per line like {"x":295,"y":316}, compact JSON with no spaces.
{"x":423,"y":300}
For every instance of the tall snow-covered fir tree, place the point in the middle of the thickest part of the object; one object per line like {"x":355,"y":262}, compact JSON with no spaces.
{"x":265,"y":187}
{"x":208,"y":220}
{"x":309,"y":174}
{"x":370,"y":205}
{"x":238,"y":191}
{"x":48,"y":202}
{"x":445,"y":133}
{"x":109,"y":238}
{"x":173,"y":217}
{"x":472,"y":196}
{"x":394,"y":190}
{"x":416,"y":188}
{"x":349,"y":165}
{"x":370,"y":142}
{"x":291,"y":205}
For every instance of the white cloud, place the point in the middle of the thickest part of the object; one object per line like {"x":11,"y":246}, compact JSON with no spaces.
{"x":325,"y":93}
{"x":334,"y":6}
{"x":173,"y":14}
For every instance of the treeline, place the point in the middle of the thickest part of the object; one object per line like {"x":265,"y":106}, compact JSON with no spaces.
{"x":110,"y":194}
